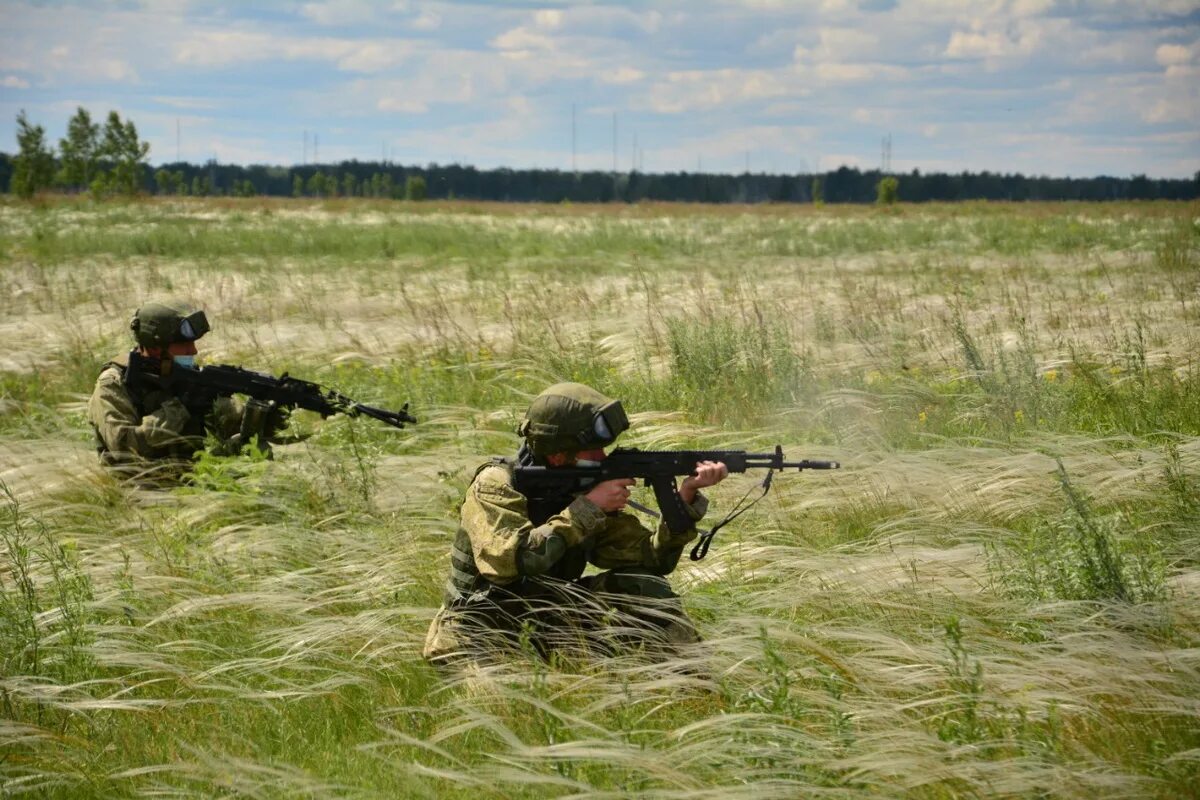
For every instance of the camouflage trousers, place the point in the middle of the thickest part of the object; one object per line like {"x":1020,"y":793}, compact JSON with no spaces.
{"x":594,"y":616}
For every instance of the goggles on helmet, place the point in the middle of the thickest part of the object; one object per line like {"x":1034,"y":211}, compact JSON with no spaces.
{"x":193,"y":326}
{"x":609,"y":423}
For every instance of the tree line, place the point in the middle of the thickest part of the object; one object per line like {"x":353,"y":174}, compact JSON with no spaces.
{"x":102,"y":160}
{"x":110,"y":159}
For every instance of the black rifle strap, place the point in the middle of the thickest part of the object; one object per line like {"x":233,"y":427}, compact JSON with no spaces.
{"x":700,"y":550}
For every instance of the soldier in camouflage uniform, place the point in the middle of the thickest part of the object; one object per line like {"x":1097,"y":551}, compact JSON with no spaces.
{"x":516,"y":567}
{"x":142,"y":426}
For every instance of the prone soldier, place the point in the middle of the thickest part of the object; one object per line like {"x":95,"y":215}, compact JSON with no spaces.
{"x":140,"y":424}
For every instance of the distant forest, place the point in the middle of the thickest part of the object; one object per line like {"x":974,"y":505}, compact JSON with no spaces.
{"x":451,"y":181}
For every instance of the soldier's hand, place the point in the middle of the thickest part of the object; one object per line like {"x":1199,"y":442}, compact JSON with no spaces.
{"x":611,"y":495}
{"x":708,"y":473}
{"x":174,"y":415}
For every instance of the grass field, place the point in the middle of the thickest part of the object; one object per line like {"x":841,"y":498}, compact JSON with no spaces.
{"x":997,"y":596}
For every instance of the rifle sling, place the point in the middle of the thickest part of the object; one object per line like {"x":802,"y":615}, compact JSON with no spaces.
{"x":700,"y":550}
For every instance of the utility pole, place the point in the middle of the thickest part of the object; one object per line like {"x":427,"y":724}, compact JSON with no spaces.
{"x":574,"y":164}
{"x":316,"y":141}
{"x":304,"y":157}
{"x":633,"y":154}
{"x":614,"y":144}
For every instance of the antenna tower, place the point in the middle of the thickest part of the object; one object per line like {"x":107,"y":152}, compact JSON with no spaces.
{"x":614,"y":143}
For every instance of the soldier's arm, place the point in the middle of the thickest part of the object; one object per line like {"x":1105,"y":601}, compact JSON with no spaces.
{"x":505,"y":543}
{"x":121,"y":428}
{"x":626,"y":542}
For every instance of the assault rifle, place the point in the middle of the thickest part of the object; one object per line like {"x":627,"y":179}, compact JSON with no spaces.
{"x":658,"y":468}
{"x":198,"y":387}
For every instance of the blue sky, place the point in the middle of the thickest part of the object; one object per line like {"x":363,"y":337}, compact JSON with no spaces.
{"x":1056,"y":87}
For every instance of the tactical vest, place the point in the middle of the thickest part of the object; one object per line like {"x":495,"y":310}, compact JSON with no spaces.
{"x":466,"y":584}
{"x":146,"y":400}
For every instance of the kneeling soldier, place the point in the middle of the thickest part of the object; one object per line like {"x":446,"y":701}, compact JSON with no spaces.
{"x":517,"y":564}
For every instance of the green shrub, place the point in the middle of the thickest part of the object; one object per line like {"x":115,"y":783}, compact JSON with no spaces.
{"x":887,"y":191}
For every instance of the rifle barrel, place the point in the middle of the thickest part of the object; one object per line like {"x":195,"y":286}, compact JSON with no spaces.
{"x":394,"y":418}
{"x":769,"y":462}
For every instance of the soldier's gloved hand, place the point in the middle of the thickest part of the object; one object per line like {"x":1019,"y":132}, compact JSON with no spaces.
{"x":173,"y":415}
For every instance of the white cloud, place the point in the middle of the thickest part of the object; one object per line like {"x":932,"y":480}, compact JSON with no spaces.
{"x":622,"y":75}
{"x":519,"y":106}
{"x":973,"y":44}
{"x":848,"y":73}
{"x":522,"y":39}
{"x":549,"y":19}
{"x":402,"y":104}
{"x":839,"y":44}
{"x":1031,"y":8}
{"x":332,"y":13}
{"x":1163,"y":112}
{"x":705,"y":89}
{"x":222,"y":48}
{"x":847,"y":42}
{"x":116,"y":70}
{"x":1185,"y":71}
{"x":1170,"y":55}
{"x":371,"y":57}
{"x":13,"y":82}
{"x":427,"y":21}
{"x":874,"y":116}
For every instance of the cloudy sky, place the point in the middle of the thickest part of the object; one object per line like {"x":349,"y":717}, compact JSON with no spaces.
{"x":1058,"y":87}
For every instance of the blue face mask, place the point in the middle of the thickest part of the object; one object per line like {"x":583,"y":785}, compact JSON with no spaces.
{"x":185,"y":361}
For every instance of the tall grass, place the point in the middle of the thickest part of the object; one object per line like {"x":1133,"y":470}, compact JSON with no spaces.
{"x":994,"y":597}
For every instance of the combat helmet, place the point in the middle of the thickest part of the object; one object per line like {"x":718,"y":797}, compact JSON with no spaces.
{"x":158,"y":324}
{"x":569,"y":417}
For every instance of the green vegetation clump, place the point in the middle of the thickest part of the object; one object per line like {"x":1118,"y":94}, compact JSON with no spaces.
{"x":994,"y":596}
{"x":887,"y":191}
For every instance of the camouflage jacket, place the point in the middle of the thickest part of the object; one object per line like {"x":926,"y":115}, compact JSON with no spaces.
{"x":498,"y":544}
{"x":151,"y":424}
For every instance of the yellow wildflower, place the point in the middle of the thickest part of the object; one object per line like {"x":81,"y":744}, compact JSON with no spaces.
{"x":1051,"y":375}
